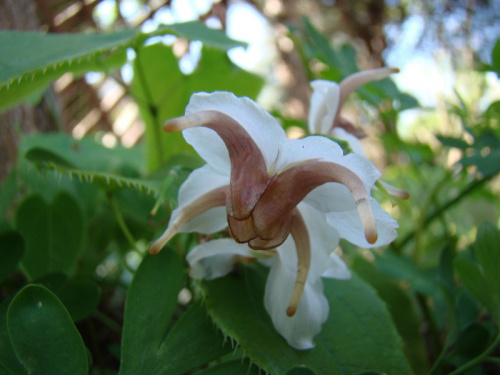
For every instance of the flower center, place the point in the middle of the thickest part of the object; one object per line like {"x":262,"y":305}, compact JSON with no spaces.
{"x":261,"y":208}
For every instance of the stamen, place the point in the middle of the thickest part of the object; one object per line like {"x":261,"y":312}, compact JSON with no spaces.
{"x":303,"y":248}
{"x":214,"y":198}
{"x":249,"y":177}
{"x":392,"y":190}
{"x":356,"y":80}
{"x":289,"y":188}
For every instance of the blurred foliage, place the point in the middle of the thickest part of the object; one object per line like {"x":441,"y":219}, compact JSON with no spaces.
{"x":78,"y":291}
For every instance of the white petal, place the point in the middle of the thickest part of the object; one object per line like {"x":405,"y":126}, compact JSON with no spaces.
{"x":348,"y":224}
{"x":262,"y":127}
{"x":216,"y":258}
{"x":322,"y":148}
{"x":354,"y":142}
{"x":331,"y":197}
{"x":337,"y":269}
{"x":324,"y":105}
{"x":324,"y":239}
{"x":198,"y":183}
{"x":300,"y":329}
{"x":308,"y":148}
{"x":210,"y":147}
{"x":211,"y":221}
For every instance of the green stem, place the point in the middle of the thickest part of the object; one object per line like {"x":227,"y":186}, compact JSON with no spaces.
{"x":150,"y":106}
{"x":493,"y":360}
{"x":441,"y":209}
{"x":433,"y":331}
{"x":107,"y":321}
{"x":480,"y":358}
{"x":122,"y":224}
{"x":421,"y":224}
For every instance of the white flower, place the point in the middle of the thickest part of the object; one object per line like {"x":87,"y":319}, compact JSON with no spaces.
{"x":326,"y":103}
{"x":276,"y":197}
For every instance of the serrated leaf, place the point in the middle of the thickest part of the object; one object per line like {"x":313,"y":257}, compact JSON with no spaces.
{"x":53,"y":234}
{"x":47,"y":160}
{"x":351,"y":341}
{"x":11,"y":251}
{"x":31,"y":60}
{"x":30,"y":52}
{"x":43,"y":335}
{"x":149,"y":346}
{"x":236,"y":367}
{"x":402,"y":310}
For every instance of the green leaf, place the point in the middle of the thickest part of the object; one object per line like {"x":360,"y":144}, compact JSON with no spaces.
{"x":351,"y":341}
{"x":495,"y":57}
{"x":85,"y":153}
{"x":488,"y":164}
{"x":8,"y":193}
{"x":483,"y":279}
{"x":47,"y":160}
{"x":53,"y":234}
{"x":43,"y":335}
{"x":31,"y":60}
{"x":475,"y":281}
{"x":11,"y":251}
{"x":194,"y":30}
{"x":235,"y":367}
{"x":148,"y":345}
{"x":488,"y":253}
{"x":471,"y":342}
{"x":403,"y":269}
{"x":29,"y":52}
{"x":163,"y":91}
{"x":80,"y":297}
{"x":342,"y":62}
{"x":453,"y":142}
{"x":300,"y":370}
{"x":402,"y":310}
{"x":9,"y":364}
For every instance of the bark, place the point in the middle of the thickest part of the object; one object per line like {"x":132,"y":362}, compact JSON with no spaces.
{"x":24,"y":118}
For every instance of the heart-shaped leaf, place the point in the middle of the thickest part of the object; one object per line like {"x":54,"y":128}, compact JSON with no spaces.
{"x":53,"y":234}
{"x":149,"y":345}
{"x":11,"y":251}
{"x":43,"y":335}
{"x":9,"y":364}
{"x":358,"y":336}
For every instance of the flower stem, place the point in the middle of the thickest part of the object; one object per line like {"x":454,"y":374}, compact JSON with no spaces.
{"x":150,"y":106}
{"x":122,"y":224}
{"x":480,"y":358}
{"x":433,"y":330}
{"x":441,"y":209}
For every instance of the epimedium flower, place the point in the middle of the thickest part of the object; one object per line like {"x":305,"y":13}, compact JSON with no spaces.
{"x":276,"y":198}
{"x":326,"y":103}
